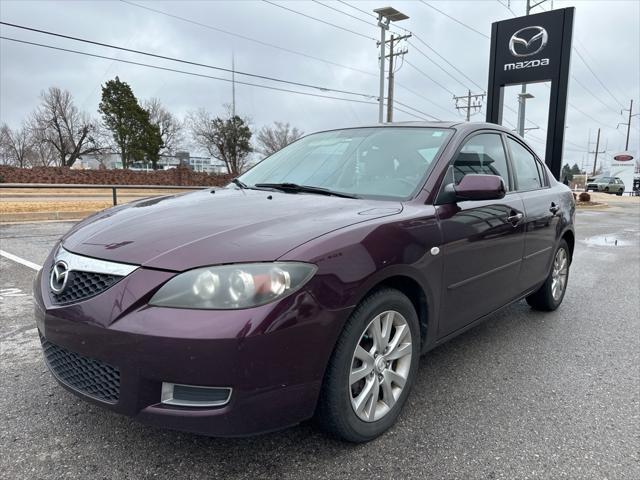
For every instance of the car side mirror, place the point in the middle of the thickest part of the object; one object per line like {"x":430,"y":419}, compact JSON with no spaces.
{"x":476,"y":186}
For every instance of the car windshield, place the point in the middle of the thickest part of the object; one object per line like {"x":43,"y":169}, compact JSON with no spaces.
{"x":385,"y":163}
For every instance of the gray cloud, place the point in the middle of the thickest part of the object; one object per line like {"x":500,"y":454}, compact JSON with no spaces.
{"x":606,"y":33}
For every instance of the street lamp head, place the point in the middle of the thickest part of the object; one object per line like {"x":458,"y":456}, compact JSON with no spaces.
{"x":391,"y":14}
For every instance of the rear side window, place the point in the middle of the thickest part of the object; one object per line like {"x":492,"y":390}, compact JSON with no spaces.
{"x":483,"y":153}
{"x":525,"y":165}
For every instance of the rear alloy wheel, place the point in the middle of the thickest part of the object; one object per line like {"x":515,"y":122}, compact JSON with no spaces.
{"x":372,"y":368}
{"x":620,"y":192}
{"x":606,"y":190}
{"x":550,"y":295}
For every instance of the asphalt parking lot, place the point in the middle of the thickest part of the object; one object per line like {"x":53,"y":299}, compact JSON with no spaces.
{"x":524,"y":395}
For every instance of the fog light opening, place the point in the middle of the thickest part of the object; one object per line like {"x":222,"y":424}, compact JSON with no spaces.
{"x":194,"y":396}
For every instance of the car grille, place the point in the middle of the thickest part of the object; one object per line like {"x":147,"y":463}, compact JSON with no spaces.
{"x":81,"y":285}
{"x":86,"y":375}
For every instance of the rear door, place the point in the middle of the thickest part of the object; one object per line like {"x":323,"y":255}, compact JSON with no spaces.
{"x":542,"y":214}
{"x":482,"y":240}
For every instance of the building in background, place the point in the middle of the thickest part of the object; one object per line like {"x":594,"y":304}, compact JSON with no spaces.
{"x":111,"y":160}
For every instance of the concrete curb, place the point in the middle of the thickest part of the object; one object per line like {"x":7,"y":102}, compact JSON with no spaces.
{"x":598,"y":206}
{"x":42,"y":216}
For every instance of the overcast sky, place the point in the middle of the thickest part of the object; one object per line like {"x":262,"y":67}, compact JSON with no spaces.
{"x":606,"y":33}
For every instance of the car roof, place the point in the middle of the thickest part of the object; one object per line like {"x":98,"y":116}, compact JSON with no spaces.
{"x":456,"y":125}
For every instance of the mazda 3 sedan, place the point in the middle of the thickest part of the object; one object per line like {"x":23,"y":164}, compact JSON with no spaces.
{"x":310,"y":285}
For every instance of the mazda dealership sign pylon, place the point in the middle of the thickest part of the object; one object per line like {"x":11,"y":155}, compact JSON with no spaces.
{"x":535,"y":48}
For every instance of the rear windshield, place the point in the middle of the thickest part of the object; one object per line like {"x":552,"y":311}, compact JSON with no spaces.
{"x":388,"y":163}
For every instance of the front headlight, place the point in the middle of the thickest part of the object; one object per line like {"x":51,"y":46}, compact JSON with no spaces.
{"x":231,"y":287}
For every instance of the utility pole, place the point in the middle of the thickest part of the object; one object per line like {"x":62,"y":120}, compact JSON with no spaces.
{"x":233,"y":84}
{"x":390,"y":86}
{"x":626,"y":144}
{"x":595,"y":159}
{"x":386,"y":15}
{"x":628,"y":124}
{"x":523,"y":95}
{"x":471,"y":101}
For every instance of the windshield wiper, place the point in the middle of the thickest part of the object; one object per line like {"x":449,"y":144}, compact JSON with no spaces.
{"x":239,"y":183}
{"x":295,"y":188}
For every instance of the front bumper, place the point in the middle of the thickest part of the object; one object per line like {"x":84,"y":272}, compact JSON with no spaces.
{"x":273,"y":357}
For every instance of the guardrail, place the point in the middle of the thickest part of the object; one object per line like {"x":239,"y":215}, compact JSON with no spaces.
{"x":114,"y":188}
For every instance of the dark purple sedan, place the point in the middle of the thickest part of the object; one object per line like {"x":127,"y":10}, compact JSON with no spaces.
{"x":309,"y":286}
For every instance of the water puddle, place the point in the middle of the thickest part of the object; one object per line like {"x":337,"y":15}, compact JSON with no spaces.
{"x":607,"y":241}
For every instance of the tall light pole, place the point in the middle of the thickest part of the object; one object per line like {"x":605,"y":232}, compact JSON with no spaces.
{"x":386,"y":15}
{"x":522,"y":99}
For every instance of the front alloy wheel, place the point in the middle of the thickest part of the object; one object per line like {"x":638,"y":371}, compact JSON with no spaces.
{"x":372,"y":369}
{"x":380,"y":366}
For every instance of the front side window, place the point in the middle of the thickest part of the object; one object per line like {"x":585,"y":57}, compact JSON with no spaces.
{"x":484,"y":154}
{"x":366,"y":162}
{"x":525,"y":165}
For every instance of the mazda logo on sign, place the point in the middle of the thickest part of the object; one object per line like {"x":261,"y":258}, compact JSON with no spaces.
{"x":59,"y":276}
{"x":529,"y":41}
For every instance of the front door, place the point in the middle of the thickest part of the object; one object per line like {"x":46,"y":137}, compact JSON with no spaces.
{"x":483,"y":241}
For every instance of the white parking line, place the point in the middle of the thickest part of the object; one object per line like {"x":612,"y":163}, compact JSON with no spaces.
{"x":26,"y":263}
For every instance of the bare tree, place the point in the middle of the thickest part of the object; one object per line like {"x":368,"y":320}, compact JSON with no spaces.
{"x":58,"y":123}
{"x":225,"y":139}
{"x":15,"y":146}
{"x":276,"y":137}
{"x":171,"y":129}
{"x":43,"y":155}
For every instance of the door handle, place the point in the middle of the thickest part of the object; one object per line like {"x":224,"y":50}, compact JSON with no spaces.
{"x":515,"y":218}
{"x":554,"y":208}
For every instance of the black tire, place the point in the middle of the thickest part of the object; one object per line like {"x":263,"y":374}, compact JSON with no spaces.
{"x":334,"y":413}
{"x":606,"y":190}
{"x":543,"y":299}
{"x":620,"y":192}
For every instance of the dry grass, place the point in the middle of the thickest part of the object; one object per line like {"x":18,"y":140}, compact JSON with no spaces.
{"x":53,"y":206}
{"x":89,"y":192}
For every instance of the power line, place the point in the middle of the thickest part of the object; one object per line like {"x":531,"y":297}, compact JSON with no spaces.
{"x":319,"y":20}
{"x":358,"y":9}
{"x":173,"y":59}
{"x":427,"y":76}
{"x":591,"y":93}
{"x":508,"y":8}
{"x":436,"y":64}
{"x":361,"y":11}
{"x":344,"y":13}
{"x":278,"y":47}
{"x":167,"y":69}
{"x":250,"y":39}
{"x":469,"y":27}
{"x":596,"y":76}
{"x":588,"y":56}
{"x":446,"y":61}
{"x":417,"y":94}
{"x":414,"y":109}
{"x":410,"y":114}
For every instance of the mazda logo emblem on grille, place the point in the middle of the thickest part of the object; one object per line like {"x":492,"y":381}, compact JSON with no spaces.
{"x":538,"y":37}
{"x":59,"y":276}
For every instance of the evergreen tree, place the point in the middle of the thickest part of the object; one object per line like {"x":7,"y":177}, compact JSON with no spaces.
{"x":134,"y":135}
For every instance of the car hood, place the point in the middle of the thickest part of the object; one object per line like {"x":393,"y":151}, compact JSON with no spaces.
{"x":208,"y":228}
